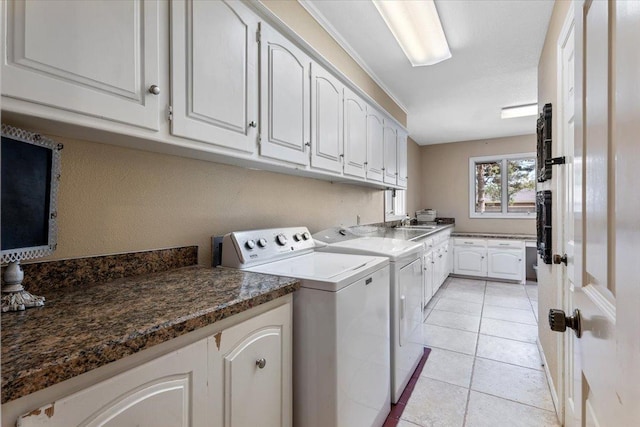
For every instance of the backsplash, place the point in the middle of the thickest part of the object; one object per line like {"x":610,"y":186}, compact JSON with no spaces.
{"x":41,"y":277}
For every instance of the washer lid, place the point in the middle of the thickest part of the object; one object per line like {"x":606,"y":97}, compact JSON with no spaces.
{"x":378,"y":246}
{"x":326,"y":271}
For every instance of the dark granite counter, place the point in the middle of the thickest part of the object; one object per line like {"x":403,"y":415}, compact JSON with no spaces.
{"x":84,"y":328}
{"x":495,"y":236}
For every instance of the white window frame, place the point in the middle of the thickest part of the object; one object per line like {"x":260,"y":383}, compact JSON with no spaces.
{"x":395,"y":205}
{"x":502,"y":159}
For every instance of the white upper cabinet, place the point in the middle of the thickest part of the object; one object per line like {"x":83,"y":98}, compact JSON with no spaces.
{"x":214,"y":56}
{"x":284,"y":98}
{"x":403,"y":174}
{"x":355,"y":135}
{"x":390,"y":153}
{"x":94,"y":58}
{"x":326,"y":120}
{"x":375,"y":146}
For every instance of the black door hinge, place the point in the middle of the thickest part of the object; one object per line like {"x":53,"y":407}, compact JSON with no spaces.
{"x":555,"y":161}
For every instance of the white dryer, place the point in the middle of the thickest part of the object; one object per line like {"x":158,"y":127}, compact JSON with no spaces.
{"x":407,"y":343}
{"x":341,"y":356}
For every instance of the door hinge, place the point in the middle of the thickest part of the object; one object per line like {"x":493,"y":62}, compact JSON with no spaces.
{"x":258,"y":36}
{"x":555,"y":161}
{"x":170,"y":113}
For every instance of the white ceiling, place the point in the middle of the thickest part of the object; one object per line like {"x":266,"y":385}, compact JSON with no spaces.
{"x":495,"y":45}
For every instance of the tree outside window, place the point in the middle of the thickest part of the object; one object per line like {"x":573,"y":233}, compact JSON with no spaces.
{"x":503,"y":186}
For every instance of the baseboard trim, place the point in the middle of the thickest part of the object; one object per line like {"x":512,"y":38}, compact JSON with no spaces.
{"x":552,"y":388}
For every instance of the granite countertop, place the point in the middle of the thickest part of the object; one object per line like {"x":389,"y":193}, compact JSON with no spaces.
{"x":82,"y":329}
{"x":495,"y":235}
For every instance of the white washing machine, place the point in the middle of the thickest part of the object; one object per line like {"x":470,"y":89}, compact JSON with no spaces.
{"x":407,"y":343}
{"x":341,"y":357}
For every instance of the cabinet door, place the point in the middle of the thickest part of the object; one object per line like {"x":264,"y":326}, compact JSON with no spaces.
{"x":326,"y":120}
{"x":375,"y":146}
{"x":428,"y":265}
{"x":97,"y":58}
{"x":355,"y":135}
{"x":390,"y":153}
{"x":250,"y":372}
{"x":169,"y":391}
{"x":403,"y":174}
{"x":214,"y":74}
{"x":470,"y":261}
{"x":505,"y":264}
{"x":284,"y":98}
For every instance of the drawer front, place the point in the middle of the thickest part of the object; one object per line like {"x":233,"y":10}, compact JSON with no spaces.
{"x":505,"y":244}
{"x":462,"y":241}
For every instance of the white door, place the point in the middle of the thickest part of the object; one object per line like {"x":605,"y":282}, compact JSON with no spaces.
{"x":375,"y":146}
{"x":326,"y":120}
{"x":355,"y":134}
{"x":607,"y":288}
{"x":570,"y":394}
{"x":97,"y":58}
{"x":390,"y":153}
{"x":284,"y":98}
{"x":214,"y":73}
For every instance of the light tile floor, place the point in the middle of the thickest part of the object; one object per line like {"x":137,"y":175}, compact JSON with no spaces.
{"x":484,"y":368}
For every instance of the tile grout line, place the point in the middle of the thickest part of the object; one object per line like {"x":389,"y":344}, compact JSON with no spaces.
{"x":473,"y":366}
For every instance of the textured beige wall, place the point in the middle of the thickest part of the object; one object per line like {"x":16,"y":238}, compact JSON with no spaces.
{"x":444,"y":181}
{"x":299,"y":20}
{"x":547,"y":286}
{"x":115,"y":199}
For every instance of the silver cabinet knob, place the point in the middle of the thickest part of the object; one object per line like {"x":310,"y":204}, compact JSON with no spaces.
{"x":154,"y":89}
{"x":261,"y":363}
{"x":253,"y":124}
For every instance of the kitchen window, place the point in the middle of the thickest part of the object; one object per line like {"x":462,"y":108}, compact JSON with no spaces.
{"x":503,"y":186}
{"x":395,"y":205}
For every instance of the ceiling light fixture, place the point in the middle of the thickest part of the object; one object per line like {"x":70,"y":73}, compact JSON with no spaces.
{"x":416,"y":26}
{"x":519,"y":111}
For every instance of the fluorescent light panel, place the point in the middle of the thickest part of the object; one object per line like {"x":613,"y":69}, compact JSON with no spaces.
{"x":519,"y":111}
{"x":416,"y":26}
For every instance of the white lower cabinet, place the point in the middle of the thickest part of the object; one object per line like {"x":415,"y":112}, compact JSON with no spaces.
{"x":168,"y":391}
{"x":250,"y":369}
{"x":470,"y":261}
{"x":492,"y":258}
{"x":238,"y":377}
{"x":436,"y":261}
{"x":428,"y":264}
{"x":505,"y":263}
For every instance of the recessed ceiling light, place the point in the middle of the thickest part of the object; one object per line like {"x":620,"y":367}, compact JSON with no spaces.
{"x":519,"y":111}
{"x":416,"y":26}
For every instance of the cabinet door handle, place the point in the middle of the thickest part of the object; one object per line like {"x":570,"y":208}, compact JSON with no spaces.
{"x":261,"y":363}
{"x":403,"y":304}
{"x":253,"y":124}
{"x":503,"y":244}
{"x":154,"y":90}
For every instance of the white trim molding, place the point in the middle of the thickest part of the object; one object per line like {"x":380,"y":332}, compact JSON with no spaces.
{"x":552,"y":388}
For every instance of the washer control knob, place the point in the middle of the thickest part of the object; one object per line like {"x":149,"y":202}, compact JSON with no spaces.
{"x":262,"y":242}
{"x":250,"y":244}
{"x":281,"y":239}
{"x":297,"y":237}
{"x":306,"y":235}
